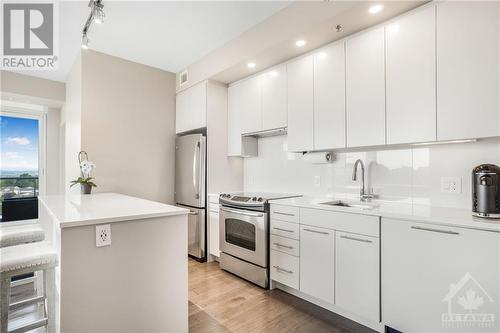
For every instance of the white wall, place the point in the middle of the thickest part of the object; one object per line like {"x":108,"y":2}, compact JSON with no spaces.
{"x":53,"y":171}
{"x":71,"y":126}
{"x":411,"y":175}
{"x":128,"y":126}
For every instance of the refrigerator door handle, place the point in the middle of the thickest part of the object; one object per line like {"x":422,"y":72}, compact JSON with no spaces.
{"x":196,"y":181}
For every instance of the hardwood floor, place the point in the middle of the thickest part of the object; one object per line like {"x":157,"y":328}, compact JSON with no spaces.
{"x":222,"y":302}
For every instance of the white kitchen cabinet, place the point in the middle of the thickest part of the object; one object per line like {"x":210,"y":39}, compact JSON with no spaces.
{"x":365,"y":89}
{"x":317,"y":262}
{"x":213,"y":230}
{"x":285,"y":269}
{"x":191,"y":108}
{"x":430,"y":271}
{"x":274,"y":111}
{"x":468,"y":67}
{"x":300,"y":104}
{"x":236,"y":145}
{"x":411,"y":77}
{"x":357,"y":259}
{"x":250,"y":104}
{"x":329,"y":97}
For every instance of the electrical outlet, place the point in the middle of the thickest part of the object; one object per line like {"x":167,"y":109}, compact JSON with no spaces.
{"x":451,"y":185}
{"x":103,"y":235}
{"x":317,"y":181}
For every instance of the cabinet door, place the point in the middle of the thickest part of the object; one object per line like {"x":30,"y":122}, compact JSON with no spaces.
{"x":365,"y":91}
{"x":191,"y":108}
{"x":411,"y":78}
{"x":251,"y":105}
{"x":300,"y":104}
{"x":317,"y":246}
{"x":274,"y":98}
{"x":357,"y":274}
{"x":430,"y":272}
{"x":213,"y":230}
{"x":329,"y":97}
{"x":468,"y":67}
{"x":234,"y":120}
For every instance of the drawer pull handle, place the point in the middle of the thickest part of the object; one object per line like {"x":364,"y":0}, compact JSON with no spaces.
{"x":280,"y":229}
{"x":357,"y":239}
{"x":317,"y":232}
{"x":286,"y":214}
{"x":278,"y":268}
{"x":449,"y":232}
{"x":285,"y":246}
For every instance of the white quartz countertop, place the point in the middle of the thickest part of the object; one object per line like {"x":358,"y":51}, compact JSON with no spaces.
{"x":78,"y":210}
{"x":454,"y":217}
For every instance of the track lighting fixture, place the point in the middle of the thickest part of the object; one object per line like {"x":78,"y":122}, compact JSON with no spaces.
{"x":96,"y":15}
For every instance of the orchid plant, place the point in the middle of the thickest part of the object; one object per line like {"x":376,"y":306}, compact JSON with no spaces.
{"x":86,"y":169}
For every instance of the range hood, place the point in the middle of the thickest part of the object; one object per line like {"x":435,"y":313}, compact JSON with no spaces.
{"x":266,"y":133}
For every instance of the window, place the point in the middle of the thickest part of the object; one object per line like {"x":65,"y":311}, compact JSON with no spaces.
{"x":21,"y":165}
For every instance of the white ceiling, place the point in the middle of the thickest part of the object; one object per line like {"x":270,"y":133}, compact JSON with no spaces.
{"x":169,"y":35}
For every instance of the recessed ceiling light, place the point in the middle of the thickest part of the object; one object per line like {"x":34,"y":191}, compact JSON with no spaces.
{"x":251,"y":65}
{"x":300,"y":43}
{"x":376,"y":9}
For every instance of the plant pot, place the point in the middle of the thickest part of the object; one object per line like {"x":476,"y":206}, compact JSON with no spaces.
{"x":86,"y":188}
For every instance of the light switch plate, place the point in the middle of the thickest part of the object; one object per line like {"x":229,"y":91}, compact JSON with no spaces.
{"x":317,"y":181}
{"x":451,"y":185}
{"x":103,"y":235}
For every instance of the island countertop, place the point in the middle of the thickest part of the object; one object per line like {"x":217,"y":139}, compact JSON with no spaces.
{"x":73,"y":210}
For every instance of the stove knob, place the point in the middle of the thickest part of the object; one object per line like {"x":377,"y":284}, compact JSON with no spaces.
{"x":259,"y":199}
{"x":254,"y":199}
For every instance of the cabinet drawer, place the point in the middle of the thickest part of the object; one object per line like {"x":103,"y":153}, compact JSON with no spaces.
{"x":287,"y":245}
{"x":355,"y":223}
{"x":285,"y":229}
{"x":285,"y":269}
{"x":285,"y":213}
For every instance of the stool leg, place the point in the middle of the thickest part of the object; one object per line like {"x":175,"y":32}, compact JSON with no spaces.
{"x":49,"y":281}
{"x":4,"y":303}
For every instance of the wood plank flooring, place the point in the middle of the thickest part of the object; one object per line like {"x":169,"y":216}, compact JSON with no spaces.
{"x":222,"y":302}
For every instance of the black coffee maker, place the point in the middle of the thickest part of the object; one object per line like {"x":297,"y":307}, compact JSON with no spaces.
{"x":486,"y":191}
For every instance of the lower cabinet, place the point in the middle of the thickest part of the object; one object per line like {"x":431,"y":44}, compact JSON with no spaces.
{"x":285,"y":269}
{"x":439,"y":278}
{"x":317,"y":262}
{"x":213,"y":230}
{"x":357,"y":274}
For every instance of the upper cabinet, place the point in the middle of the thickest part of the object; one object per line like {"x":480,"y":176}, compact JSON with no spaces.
{"x":411,"y":77}
{"x":237,"y":107}
{"x":329,"y":97}
{"x":468,"y":67}
{"x":249,"y":103}
{"x":274,"y":98}
{"x":300,"y":104}
{"x":365,"y":89}
{"x":191,"y":108}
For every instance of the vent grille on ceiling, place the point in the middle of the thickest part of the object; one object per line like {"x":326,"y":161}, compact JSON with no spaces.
{"x":183,"y":78}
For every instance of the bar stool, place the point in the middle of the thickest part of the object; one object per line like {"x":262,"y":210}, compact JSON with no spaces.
{"x":20,"y":234}
{"x":23,"y":259}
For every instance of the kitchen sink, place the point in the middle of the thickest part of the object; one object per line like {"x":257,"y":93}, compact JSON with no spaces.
{"x":350,"y":204}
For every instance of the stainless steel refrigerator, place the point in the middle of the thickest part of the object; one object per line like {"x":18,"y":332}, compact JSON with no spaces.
{"x":190,"y":189}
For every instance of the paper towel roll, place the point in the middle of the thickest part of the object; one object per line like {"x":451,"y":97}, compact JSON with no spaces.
{"x":318,"y":157}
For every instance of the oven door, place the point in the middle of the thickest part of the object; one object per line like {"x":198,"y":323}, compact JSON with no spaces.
{"x":243,"y":234}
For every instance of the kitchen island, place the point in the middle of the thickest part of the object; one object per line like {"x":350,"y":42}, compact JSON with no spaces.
{"x":137,"y":283}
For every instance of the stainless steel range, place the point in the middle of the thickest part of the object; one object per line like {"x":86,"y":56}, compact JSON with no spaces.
{"x":244,"y":234}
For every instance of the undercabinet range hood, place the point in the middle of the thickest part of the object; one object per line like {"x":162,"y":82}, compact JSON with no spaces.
{"x":266,"y":133}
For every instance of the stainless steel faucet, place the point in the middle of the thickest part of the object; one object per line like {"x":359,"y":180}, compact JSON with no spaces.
{"x":364,"y":196}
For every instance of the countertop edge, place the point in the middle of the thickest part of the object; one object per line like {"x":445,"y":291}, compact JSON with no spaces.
{"x":401,"y":216}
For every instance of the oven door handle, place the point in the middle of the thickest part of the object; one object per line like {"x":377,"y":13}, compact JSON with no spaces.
{"x":241,"y":212}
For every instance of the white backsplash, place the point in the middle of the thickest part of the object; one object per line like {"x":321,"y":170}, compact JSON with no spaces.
{"x":411,"y":175}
